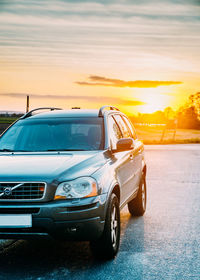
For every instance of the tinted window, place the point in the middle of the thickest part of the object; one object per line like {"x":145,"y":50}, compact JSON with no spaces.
{"x":124,"y":128}
{"x":131,"y":128}
{"x":11,"y":138}
{"x":54,"y":134}
{"x":115,"y":133}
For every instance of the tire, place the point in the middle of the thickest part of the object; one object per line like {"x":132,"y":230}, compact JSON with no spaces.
{"x":137,"y":206}
{"x":107,"y":245}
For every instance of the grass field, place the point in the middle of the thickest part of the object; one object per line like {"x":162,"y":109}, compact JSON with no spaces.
{"x":8,"y":120}
{"x":152,"y":135}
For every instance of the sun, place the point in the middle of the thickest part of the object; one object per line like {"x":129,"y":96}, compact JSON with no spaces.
{"x":154,"y":100}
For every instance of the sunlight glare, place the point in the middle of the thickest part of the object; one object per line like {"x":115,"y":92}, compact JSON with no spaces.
{"x":154,"y":101}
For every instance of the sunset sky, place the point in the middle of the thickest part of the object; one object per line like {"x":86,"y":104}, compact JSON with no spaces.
{"x":139,"y":55}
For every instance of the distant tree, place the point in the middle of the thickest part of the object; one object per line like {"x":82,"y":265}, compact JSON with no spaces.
{"x":188,"y":118}
{"x":194,"y":101}
{"x":169,"y":113}
{"x":157,"y":117}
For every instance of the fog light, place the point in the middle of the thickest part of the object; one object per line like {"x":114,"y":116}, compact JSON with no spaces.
{"x":72,"y":230}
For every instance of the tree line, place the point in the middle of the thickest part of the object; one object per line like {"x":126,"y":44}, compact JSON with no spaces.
{"x":187,"y":116}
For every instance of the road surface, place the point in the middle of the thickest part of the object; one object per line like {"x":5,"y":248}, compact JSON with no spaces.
{"x":164,"y":244}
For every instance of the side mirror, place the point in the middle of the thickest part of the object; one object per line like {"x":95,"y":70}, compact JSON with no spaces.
{"x":125,"y":144}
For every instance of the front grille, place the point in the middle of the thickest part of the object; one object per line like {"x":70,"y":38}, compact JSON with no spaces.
{"x":21,"y":191}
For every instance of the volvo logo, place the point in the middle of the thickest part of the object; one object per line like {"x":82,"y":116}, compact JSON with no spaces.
{"x":7,"y":191}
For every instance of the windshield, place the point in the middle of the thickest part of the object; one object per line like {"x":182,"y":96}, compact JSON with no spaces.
{"x":59,"y":134}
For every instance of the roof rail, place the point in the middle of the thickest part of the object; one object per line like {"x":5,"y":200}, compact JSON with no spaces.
{"x":106,"y":106}
{"x":30,"y":113}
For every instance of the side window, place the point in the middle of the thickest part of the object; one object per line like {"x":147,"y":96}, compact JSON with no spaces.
{"x":124,"y":128}
{"x":131,"y":128}
{"x":115,"y":133}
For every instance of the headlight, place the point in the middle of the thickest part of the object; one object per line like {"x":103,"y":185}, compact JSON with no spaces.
{"x":81,"y":187}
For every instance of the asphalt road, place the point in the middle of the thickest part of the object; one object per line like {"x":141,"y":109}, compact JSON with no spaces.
{"x":164,"y":244}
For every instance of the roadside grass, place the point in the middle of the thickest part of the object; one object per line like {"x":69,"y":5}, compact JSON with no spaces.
{"x":7,"y":120}
{"x":153,"y":135}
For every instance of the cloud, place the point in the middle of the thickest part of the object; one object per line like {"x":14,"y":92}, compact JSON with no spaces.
{"x":103,"y":81}
{"x":144,"y":35}
{"x":139,"y":33}
{"x":93,"y":99}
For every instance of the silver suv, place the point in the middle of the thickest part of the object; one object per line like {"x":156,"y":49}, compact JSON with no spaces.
{"x":67,"y":173}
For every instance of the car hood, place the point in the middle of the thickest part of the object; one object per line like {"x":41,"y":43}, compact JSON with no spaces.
{"x":49,"y":166}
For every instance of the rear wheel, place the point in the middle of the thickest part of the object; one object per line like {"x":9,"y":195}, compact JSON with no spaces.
{"x":137,"y":206}
{"x":108,"y":244}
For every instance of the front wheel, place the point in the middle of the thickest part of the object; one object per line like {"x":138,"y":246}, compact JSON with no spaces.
{"x":137,"y":206}
{"x":108,"y":244}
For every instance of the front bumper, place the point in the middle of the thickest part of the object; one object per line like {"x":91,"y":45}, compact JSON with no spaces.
{"x":80,"y":219}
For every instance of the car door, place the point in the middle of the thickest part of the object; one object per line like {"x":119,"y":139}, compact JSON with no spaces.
{"x":137,"y":154}
{"x":127,"y":170}
{"x":120,"y":160}
{"x":124,"y":170}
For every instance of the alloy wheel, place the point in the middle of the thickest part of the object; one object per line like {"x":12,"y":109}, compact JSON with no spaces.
{"x":114,"y":226}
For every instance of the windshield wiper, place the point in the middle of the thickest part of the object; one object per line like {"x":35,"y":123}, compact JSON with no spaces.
{"x":14,"y":151}
{"x":6,"y":150}
{"x":50,"y":150}
{"x":64,"y":150}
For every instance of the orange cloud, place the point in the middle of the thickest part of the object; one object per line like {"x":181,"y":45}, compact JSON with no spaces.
{"x":103,"y":81}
